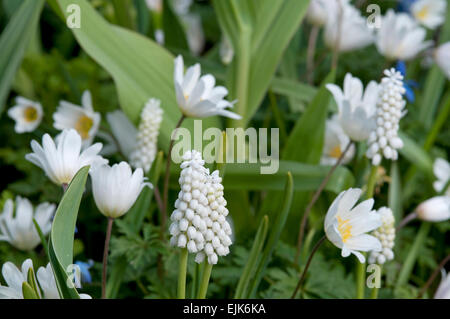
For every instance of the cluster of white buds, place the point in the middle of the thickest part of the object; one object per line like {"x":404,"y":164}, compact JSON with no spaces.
{"x":384,"y":141}
{"x":147,"y":137}
{"x":199,"y":219}
{"x":386,"y":234}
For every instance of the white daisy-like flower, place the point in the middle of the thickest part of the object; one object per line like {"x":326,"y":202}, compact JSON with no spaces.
{"x":442,"y":58}
{"x":147,"y":137}
{"x":356,"y":106}
{"x":400,"y":37}
{"x":441,"y":169}
{"x":197,"y":96}
{"x":116,"y":188}
{"x":443,"y":291}
{"x":199,"y":219}
{"x":347,"y":226}
{"x":386,"y":234}
{"x":62,"y":161}
{"x":81,"y":118}
{"x":430,"y":13}
{"x":17,"y":227}
{"x":384,"y":141}
{"x":15,"y":277}
{"x":335,"y":143}
{"x":27,"y":115}
{"x":346,"y":29}
{"x":436,"y":209}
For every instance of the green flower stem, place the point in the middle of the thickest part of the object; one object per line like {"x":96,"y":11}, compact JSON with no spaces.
{"x":361,"y":267}
{"x":412,"y":255}
{"x":374,"y":292}
{"x":182,"y":274}
{"x":205,"y":281}
{"x":105,"y":255}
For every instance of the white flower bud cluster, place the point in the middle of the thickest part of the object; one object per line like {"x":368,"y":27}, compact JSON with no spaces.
{"x":199,"y":219}
{"x":386,"y":234}
{"x":147,"y":137}
{"x":384,"y":141}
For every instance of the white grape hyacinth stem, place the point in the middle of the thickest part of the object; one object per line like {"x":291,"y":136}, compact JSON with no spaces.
{"x":384,"y":141}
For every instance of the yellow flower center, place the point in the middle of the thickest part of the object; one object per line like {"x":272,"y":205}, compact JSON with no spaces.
{"x":336,"y":152}
{"x":30,"y":114}
{"x":344,"y":229}
{"x":83,"y":126}
{"x":423,"y":13}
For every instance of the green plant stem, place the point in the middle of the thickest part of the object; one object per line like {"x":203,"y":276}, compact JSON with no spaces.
{"x":278,"y":117}
{"x":310,"y":53}
{"x":105,"y":255}
{"x":433,"y":276}
{"x":182,"y":274}
{"x":205,"y":281}
{"x":374,"y":292}
{"x":313,"y":252}
{"x":408,"y":265}
{"x":361,"y":267}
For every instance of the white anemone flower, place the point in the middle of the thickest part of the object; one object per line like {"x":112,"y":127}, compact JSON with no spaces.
{"x":335,"y":143}
{"x":441,"y":169}
{"x":442,"y":58}
{"x":154,"y":5}
{"x":27,"y":115}
{"x":124,"y":132}
{"x":346,"y":29}
{"x":443,"y":291}
{"x":400,"y":37}
{"x":62,"y":161}
{"x":430,"y":13}
{"x":18,"y":228}
{"x":197,"y":96}
{"x":357,"y":107}
{"x":15,"y":277}
{"x":116,"y":188}
{"x":346,"y":227}
{"x":435,"y":209}
{"x":81,"y":118}
{"x":319,"y":10}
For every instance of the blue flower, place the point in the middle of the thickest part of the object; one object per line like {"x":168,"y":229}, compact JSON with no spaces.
{"x":84,"y":269}
{"x":408,"y":84}
{"x":405,"y":5}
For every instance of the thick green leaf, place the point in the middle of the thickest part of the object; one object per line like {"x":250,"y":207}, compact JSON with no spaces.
{"x":259,"y":32}
{"x":14,"y":41}
{"x":140,"y":68}
{"x":174,"y":35}
{"x":395,"y":192}
{"x":416,"y":154}
{"x":306,"y":140}
{"x":62,"y":234}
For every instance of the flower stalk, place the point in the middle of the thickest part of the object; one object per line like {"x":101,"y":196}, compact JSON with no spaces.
{"x":105,"y":255}
{"x":182,"y":274}
{"x":205,"y":281}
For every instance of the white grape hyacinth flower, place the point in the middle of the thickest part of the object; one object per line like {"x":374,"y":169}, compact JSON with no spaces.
{"x":441,"y":169}
{"x":27,"y":115}
{"x":442,"y":58}
{"x":81,"y":118}
{"x":386,"y":234}
{"x":147,"y":137}
{"x":346,"y":29}
{"x":384,"y":141}
{"x":15,"y":277}
{"x":430,"y":13}
{"x":347,"y":226}
{"x":400,"y":37}
{"x":198,"y":97}
{"x":199,"y":219}
{"x":356,"y":106}
{"x":443,"y":291}
{"x":435,"y":209}
{"x":116,"y":188}
{"x":335,"y":143}
{"x":17,"y":227}
{"x":62,"y":161}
